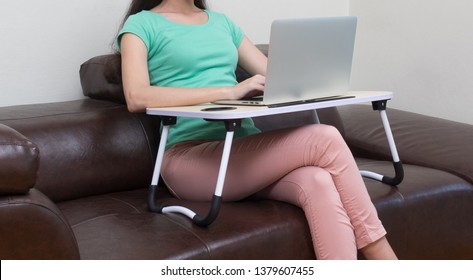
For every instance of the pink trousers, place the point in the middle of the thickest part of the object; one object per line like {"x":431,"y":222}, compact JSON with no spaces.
{"x":309,"y":166}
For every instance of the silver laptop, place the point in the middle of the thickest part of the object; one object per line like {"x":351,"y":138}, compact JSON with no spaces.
{"x":309,"y":60}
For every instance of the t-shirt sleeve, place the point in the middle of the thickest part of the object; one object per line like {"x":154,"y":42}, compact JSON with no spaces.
{"x":136,"y":25}
{"x":236,"y":32}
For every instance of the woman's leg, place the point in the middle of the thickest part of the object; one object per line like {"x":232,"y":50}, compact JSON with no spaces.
{"x":257,"y":161}
{"x":379,"y":250}
{"x":312,"y":189}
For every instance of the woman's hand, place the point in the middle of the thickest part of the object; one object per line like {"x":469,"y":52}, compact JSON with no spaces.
{"x":250,"y":87}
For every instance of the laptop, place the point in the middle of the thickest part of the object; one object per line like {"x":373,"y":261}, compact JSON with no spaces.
{"x":309,"y":60}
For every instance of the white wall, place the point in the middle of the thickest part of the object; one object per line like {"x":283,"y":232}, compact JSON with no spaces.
{"x":43,"y":43}
{"x":255,"y":16}
{"x":420,"y":49}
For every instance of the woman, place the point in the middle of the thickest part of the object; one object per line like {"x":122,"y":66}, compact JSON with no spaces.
{"x":176,"y":53}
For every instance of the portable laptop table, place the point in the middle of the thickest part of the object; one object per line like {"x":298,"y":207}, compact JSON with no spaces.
{"x":232,"y":116}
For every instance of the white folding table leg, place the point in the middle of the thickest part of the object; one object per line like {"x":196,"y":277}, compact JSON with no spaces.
{"x":160,"y":156}
{"x":217,"y":197}
{"x":399,"y":171}
{"x":152,"y":206}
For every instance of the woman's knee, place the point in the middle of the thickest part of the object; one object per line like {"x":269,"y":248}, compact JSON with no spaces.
{"x":301,"y":186}
{"x":327,"y":131}
{"x":326,"y":136}
{"x":319,"y":182}
{"x":312,"y":181}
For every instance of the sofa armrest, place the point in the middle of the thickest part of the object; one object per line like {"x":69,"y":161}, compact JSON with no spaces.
{"x":420,"y":140}
{"x":19,"y":160}
{"x":32,"y":227}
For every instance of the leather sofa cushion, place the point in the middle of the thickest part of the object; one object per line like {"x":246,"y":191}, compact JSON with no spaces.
{"x":420,"y":140}
{"x":19,"y":159}
{"x":428,"y":215}
{"x":32,"y":227}
{"x":119,"y":226}
{"x":100,"y":78}
{"x":87,"y":146}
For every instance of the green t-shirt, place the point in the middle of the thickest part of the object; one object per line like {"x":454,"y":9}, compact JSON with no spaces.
{"x":191,"y":56}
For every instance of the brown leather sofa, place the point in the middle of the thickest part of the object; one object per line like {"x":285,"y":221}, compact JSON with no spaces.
{"x":74,"y":180}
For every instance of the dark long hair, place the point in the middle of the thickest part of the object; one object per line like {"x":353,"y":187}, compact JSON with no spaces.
{"x":137,"y":6}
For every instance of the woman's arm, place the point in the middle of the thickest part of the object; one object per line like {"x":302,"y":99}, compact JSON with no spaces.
{"x":251,"y":58}
{"x":139,"y":94}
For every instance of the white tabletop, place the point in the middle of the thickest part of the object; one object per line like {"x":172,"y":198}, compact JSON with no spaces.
{"x":240,"y":112}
